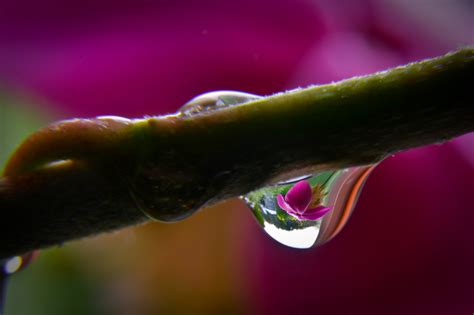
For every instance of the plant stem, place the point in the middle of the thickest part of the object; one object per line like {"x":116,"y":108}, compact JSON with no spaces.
{"x":173,"y":165}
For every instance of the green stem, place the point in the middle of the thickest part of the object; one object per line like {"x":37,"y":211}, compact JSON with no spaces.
{"x":173,"y":165}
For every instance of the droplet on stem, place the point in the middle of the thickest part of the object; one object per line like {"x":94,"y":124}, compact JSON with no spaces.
{"x":10,"y":266}
{"x":211,"y":101}
{"x":308,"y":211}
{"x":17,"y":263}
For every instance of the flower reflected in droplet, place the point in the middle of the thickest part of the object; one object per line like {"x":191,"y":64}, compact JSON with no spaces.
{"x":303,"y":202}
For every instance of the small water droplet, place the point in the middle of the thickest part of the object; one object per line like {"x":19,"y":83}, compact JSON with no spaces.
{"x":310,"y":210}
{"x":16,"y":263}
{"x":10,"y":266}
{"x":211,"y":101}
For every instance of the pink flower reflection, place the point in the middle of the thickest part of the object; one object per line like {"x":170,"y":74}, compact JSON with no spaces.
{"x":298,"y":202}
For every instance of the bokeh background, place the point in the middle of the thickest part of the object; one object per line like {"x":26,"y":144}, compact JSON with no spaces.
{"x":409,"y":246}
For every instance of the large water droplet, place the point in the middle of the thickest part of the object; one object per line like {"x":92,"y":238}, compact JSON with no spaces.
{"x":312,"y":209}
{"x":211,"y":101}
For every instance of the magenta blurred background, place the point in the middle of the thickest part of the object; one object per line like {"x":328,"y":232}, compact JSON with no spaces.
{"x":408,"y":248}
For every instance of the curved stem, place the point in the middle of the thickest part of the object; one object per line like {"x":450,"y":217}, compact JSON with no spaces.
{"x":173,"y":165}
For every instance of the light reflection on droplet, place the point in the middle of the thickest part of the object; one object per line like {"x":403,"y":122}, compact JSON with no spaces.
{"x":17,"y":263}
{"x":12,"y":265}
{"x":294,"y":180}
{"x":303,"y":238}
{"x":114,"y":118}
{"x":57,"y":163}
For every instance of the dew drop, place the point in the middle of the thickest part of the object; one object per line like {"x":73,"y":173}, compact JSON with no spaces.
{"x":16,"y":263}
{"x":10,"y":266}
{"x":328,"y":199}
{"x":212,"y":101}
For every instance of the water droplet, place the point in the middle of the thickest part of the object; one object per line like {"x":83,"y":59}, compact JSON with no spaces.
{"x":16,"y":263}
{"x":309,"y":210}
{"x":10,"y":266}
{"x":211,"y":101}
